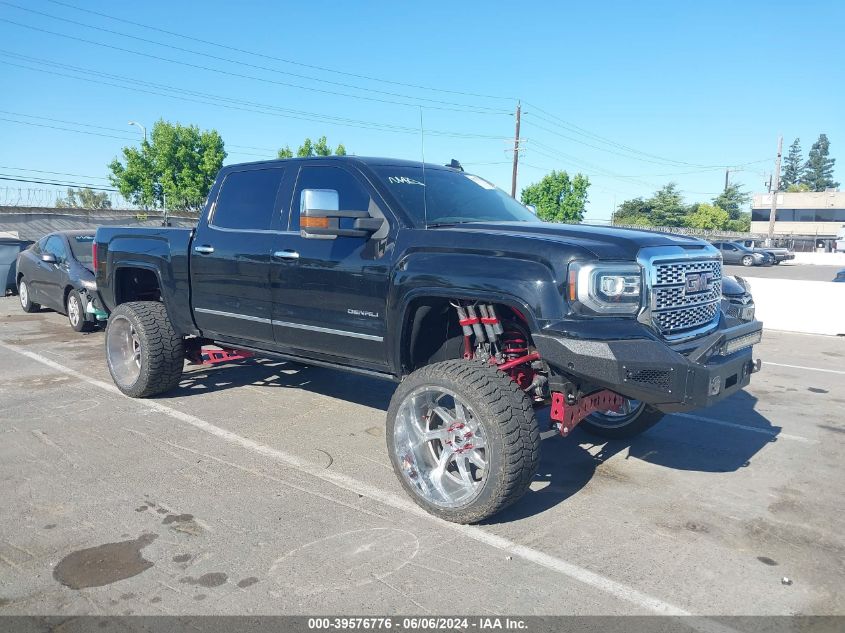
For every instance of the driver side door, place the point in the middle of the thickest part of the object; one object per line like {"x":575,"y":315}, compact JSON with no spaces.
{"x":330,"y":293}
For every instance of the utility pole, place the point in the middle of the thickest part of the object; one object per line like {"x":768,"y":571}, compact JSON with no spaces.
{"x":727,"y":172}
{"x":774,"y":191}
{"x":515,"y":150}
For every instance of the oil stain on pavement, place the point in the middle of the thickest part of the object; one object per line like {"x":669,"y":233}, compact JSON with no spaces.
{"x":104,"y":564}
{"x":214,"y":579}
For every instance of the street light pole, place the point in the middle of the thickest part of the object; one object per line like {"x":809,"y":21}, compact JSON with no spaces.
{"x":143,"y":129}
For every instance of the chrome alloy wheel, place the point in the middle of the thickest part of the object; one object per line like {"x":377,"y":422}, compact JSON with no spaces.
{"x":23,"y":294}
{"x":612,"y":419}
{"x":441,"y":447}
{"x":73,"y":311}
{"x":123,"y":350}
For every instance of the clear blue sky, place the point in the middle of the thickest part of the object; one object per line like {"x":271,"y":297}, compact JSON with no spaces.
{"x":626,"y":92}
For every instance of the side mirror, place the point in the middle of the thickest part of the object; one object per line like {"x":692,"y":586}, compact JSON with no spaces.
{"x":531,"y":208}
{"x":320,"y":215}
{"x":49,"y":258}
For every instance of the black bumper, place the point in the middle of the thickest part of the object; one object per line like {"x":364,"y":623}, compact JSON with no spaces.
{"x":649,"y":370}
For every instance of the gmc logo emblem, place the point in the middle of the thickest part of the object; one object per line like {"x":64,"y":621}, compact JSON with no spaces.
{"x":697,"y":282}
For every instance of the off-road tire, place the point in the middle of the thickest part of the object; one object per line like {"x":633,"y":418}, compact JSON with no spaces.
{"x":747,"y":261}
{"x":507,"y":415}
{"x":83,"y":325}
{"x":162,"y":350}
{"x":27,"y":304}
{"x":641,"y":422}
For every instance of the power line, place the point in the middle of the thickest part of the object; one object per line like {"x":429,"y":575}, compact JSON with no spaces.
{"x":55,"y":184}
{"x":55,"y":173}
{"x":169,"y":92}
{"x":249,"y":77}
{"x":282,"y":59}
{"x":64,"y":129}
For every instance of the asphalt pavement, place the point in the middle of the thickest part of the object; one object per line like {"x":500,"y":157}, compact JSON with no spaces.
{"x":264,"y":487}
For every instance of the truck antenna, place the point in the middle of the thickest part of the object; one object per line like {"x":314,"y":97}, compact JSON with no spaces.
{"x":422,"y":151}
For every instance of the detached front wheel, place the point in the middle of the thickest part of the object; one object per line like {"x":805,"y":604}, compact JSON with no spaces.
{"x":462,"y":439}
{"x":145,"y":355}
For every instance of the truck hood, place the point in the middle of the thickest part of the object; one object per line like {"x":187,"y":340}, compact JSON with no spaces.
{"x":602,"y":242}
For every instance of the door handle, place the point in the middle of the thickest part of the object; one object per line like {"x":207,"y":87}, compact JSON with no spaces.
{"x":204,"y":250}
{"x":287,"y":254}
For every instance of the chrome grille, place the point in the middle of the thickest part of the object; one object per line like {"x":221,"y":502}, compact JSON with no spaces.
{"x":674,"y":311}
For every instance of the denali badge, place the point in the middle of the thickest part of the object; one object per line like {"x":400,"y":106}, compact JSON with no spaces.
{"x":697,"y":282}
{"x":365,"y":313}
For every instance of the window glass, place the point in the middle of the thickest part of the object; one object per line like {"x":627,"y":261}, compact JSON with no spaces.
{"x":729,"y":247}
{"x":55,"y":246}
{"x":80,"y":246}
{"x":352,"y":195}
{"x":247,"y":199}
{"x":447,"y":196}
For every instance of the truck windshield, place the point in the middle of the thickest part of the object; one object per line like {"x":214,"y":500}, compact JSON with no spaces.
{"x":451,"y":197}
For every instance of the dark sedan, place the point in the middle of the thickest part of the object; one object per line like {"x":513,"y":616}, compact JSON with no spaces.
{"x":733,"y":253}
{"x":57,"y":272}
{"x":840,"y":276}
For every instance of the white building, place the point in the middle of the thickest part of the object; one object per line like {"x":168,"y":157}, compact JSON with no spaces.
{"x":811,"y":213}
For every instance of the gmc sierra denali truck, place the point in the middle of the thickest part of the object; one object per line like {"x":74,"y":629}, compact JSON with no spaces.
{"x":433,"y":278}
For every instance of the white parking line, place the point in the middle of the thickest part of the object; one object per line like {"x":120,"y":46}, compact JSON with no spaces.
{"x":744,"y":427}
{"x":529,"y":554}
{"x":827,"y":371}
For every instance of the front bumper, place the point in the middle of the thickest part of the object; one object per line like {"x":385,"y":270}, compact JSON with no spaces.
{"x":648,"y":369}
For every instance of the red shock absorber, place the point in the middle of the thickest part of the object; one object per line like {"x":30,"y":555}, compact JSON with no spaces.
{"x":515,"y":348}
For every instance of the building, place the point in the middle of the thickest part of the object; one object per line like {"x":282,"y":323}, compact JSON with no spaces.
{"x":810,"y":214}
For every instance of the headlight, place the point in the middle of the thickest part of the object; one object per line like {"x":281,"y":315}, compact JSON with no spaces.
{"x":607,"y":288}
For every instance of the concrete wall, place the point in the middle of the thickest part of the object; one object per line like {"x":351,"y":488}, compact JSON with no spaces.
{"x":810,"y":307}
{"x":32,"y":223}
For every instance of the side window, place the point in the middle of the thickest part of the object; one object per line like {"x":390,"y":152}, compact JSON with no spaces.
{"x":247,"y":200}
{"x":55,"y":246}
{"x":729,"y":247}
{"x":351,"y":193}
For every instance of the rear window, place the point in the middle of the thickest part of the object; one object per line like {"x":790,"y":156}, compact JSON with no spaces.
{"x":247,"y":200}
{"x":81,"y":247}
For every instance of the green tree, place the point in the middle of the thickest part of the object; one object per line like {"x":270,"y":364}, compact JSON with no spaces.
{"x":635,"y":211}
{"x":741,"y":225}
{"x":707,"y":216}
{"x":792,"y":166}
{"x":798,"y":187}
{"x":310,"y":148}
{"x":557,"y":197}
{"x":818,"y":170}
{"x":84,"y":198}
{"x":732,"y":200}
{"x":667,"y":206}
{"x":178,"y":165}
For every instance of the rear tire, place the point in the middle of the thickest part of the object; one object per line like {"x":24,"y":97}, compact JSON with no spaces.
{"x":462,"y":439}
{"x":144,"y":353}
{"x":75,"y":309}
{"x":27,"y":305}
{"x":747,"y":261}
{"x":622,"y":426}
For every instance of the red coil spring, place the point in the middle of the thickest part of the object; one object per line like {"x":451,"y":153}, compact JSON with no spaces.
{"x":514,"y":345}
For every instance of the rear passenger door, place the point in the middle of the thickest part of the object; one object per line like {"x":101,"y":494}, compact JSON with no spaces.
{"x":231,"y":256}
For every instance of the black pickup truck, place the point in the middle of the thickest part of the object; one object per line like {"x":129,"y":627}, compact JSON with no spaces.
{"x":433,"y":278}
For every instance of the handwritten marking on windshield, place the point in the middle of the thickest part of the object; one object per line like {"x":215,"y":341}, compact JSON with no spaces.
{"x":403,"y":180}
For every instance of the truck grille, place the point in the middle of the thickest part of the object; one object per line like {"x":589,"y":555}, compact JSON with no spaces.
{"x":686,"y":295}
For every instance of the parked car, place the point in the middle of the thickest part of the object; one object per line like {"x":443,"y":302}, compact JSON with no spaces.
{"x":435,"y":279}
{"x":57,"y":272}
{"x":840,"y":276}
{"x":780,"y":254}
{"x":739,"y":254}
{"x":737,"y":302}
